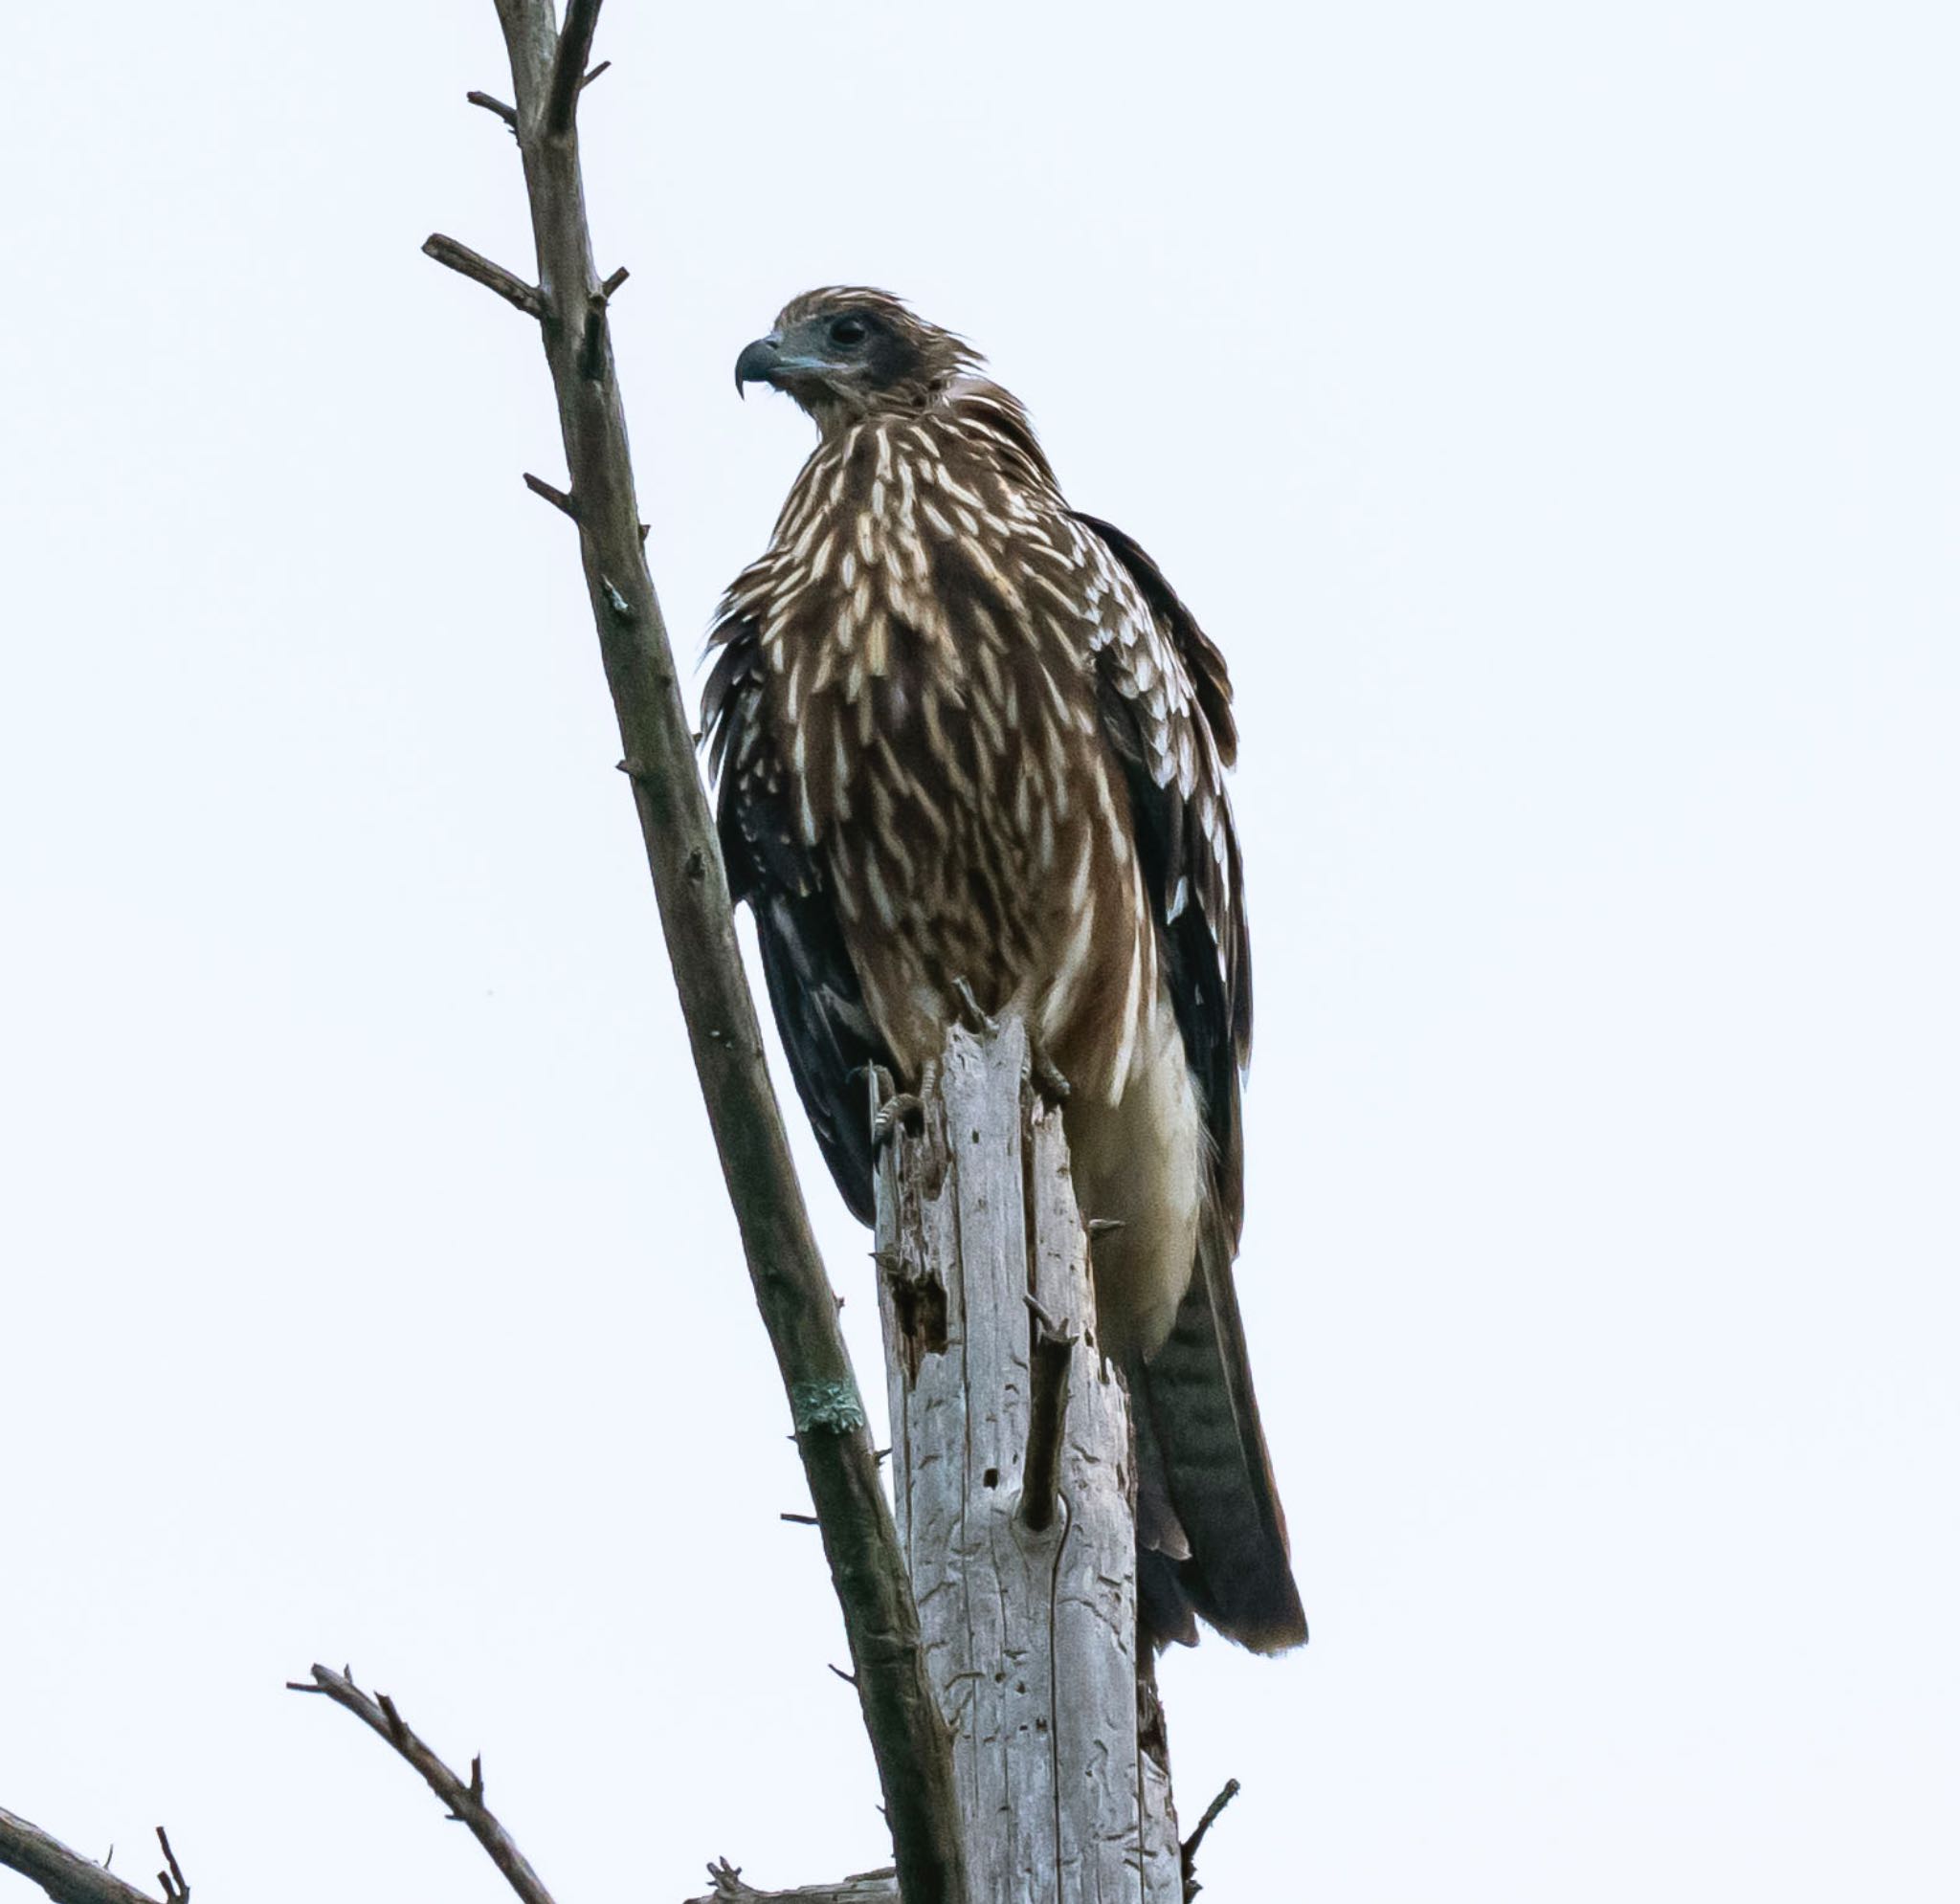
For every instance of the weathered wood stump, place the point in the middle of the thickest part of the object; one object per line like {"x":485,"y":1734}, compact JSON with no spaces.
{"x":1010,"y":1469}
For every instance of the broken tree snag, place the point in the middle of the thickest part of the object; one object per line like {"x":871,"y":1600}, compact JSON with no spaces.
{"x":1030,"y":1630}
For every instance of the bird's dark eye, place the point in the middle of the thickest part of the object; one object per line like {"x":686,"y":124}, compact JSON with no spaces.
{"x":848,"y":331}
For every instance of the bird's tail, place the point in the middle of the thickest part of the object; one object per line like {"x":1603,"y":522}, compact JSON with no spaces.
{"x":1210,"y":1536}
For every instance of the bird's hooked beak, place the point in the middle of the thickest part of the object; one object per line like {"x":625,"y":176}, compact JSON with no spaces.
{"x":783,"y":362}
{"x":759,"y":362}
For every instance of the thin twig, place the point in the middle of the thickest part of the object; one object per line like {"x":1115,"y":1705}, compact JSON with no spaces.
{"x":1188,"y":1856}
{"x":569,"y":76}
{"x":458,"y":256}
{"x":66,"y":1876}
{"x":604,"y":65}
{"x":465,"y":1802}
{"x":909,"y":1738}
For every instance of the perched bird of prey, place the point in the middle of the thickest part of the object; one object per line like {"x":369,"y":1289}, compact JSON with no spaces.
{"x":971,"y":751}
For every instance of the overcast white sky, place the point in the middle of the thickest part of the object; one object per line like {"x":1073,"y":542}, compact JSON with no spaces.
{"x":1553,"y":412}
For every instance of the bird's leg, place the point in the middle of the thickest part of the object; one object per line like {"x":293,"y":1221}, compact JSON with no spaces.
{"x":904,"y":1107}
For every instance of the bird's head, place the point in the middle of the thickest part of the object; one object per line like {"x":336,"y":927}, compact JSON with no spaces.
{"x":846,"y":353}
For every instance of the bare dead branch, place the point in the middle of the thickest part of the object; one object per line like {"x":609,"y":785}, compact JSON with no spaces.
{"x":460,"y":257}
{"x":1047,"y":1415}
{"x":569,"y":74}
{"x":66,"y":1876}
{"x":465,"y":1802}
{"x":908,"y":1735}
{"x":1190,"y":1853}
{"x":871,"y":1886}
{"x":507,"y":114}
{"x":612,"y":283}
{"x":603,"y":66}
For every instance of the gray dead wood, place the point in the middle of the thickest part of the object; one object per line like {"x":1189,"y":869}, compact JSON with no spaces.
{"x":872,"y":1887}
{"x":798,"y":1306}
{"x":1029,"y":1635}
{"x":70,"y":1878}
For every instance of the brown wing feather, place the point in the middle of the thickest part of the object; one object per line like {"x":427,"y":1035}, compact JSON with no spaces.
{"x":1175,"y":749}
{"x":813,"y":986}
{"x":1213,"y":1532}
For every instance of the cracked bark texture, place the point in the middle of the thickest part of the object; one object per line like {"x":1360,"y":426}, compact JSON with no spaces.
{"x":1030,"y":1637}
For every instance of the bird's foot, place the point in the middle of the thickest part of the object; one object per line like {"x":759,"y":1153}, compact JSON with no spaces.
{"x":904,"y":1108}
{"x":1046,"y":1076}
{"x":1038,"y":1068}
